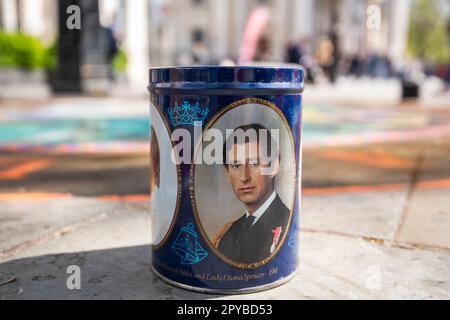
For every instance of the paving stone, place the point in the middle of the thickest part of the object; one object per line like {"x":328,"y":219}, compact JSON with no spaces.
{"x":114,"y":257}
{"x":368,"y":214}
{"x":23,"y":222}
{"x":122,"y":225}
{"x":427,"y":220}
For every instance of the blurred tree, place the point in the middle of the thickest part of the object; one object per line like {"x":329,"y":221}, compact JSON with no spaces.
{"x":428,"y":38}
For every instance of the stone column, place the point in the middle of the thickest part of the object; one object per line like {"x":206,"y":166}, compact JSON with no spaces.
{"x":182,"y":31}
{"x":9,"y":15}
{"x":137,"y":45}
{"x":399,"y":24}
{"x":51,"y":21}
{"x":166,"y":37}
{"x":302,"y":19}
{"x":238,"y":18}
{"x":280,"y":32}
{"x":33,"y":17}
{"x":352,"y":26}
{"x":219,"y":28}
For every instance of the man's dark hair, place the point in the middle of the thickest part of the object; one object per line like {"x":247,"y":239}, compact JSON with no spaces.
{"x":232,"y":140}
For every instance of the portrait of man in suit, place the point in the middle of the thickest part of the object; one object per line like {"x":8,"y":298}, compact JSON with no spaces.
{"x":258,"y":232}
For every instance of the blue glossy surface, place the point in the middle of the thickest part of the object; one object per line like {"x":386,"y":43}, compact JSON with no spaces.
{"x":214,"y":88}
{"x":209,"y":79}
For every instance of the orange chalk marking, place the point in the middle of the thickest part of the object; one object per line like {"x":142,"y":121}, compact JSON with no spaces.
{"x":19,"y":171}
{"x":129,"y":197}
{"x":32,"y":196}
{"x":42,"y":196}
{"x":5,"y":160}
{"x":434,"y":184}
{"x":354,"y":189}
{"x":377,"y":158}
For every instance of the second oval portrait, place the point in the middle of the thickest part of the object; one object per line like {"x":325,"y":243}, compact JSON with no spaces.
{"x":164,"y":179}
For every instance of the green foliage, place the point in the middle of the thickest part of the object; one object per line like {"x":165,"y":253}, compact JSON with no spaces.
{"x":51,"y":56}
{"x":428,"y":38}
{"x":120,"y":61}
{"x":21,"y":51}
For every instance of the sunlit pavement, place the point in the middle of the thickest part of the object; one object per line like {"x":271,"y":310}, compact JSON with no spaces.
{"x":374,"y":224}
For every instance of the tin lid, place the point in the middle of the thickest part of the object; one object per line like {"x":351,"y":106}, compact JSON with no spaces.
{"x":227,"y":80}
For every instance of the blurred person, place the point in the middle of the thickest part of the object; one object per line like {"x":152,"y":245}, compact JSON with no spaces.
{"x":336,"y":54}
{"x":308,"y":64}
{"x":200,"y":52}
{"x":325,"y":57}
{"x":263,"y":50}
{"x":387,"y":69}
{"x":443,"y":72}
{"x":293,"y":52}
{"x":356,"y":67}
{"x":411,"y":75}
{"x":112,"y":46}
{"x":307,"y":60}
{"x":298,"y":53}
{"x":379,"y":66}
{"x":345,"y":64}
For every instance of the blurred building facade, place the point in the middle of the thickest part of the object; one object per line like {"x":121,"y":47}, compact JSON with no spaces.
{"x":171,"y":32}
{"x":219,"y":26}
{"x":176,"y":26}
{"x":34,"y":17}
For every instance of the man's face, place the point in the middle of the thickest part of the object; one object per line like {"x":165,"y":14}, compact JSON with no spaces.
{"x":244,"y":173}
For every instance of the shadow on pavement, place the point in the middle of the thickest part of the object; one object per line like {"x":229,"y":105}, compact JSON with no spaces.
{"x":120,"y":273}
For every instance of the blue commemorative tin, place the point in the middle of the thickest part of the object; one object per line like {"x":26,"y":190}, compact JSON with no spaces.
{"x":225,"y":168}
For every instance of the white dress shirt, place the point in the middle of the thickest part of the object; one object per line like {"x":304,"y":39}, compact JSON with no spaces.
{"x":263,"y":208}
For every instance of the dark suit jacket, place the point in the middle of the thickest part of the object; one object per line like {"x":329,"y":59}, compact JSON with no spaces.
{"x":254,"y":245}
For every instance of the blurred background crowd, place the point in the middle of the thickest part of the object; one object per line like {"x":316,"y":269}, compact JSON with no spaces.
{"x":407,"y":40}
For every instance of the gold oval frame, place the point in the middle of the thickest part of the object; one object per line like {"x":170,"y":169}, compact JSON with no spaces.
{"x":192,"y":182}
{"x":179,"y":191}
